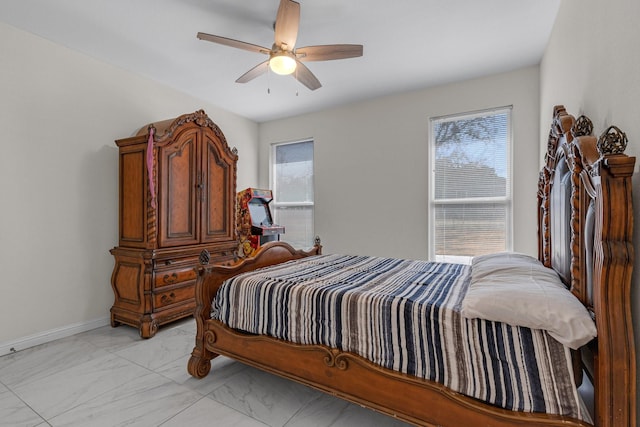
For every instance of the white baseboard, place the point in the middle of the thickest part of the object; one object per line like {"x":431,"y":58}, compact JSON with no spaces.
{"x":8,"y":347}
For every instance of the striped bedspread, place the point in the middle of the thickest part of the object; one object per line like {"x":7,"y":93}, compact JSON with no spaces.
{"x":403,"y":315}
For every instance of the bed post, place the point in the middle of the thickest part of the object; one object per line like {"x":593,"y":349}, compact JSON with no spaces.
{"x":199,"y":364}
{"x":615,"y":373}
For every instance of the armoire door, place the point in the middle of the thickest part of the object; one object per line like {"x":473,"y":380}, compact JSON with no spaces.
{"x":179,"y":184}
{"x":217,"y":220}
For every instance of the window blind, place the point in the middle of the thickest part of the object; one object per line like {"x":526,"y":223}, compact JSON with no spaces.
{"x":292,"y":173}
{"x":471,"y":180}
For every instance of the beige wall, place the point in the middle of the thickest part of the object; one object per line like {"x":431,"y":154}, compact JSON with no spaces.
{"x":592,"y":66}
{"x":60,"y":112}
{"x":371,"y":162}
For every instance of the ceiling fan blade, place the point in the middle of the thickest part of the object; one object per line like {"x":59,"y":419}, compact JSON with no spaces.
{"x":287,"y":22}
{"x":306,"y":77}
{"x":328,"y":52}
{"x":254,"y":72}
{"x":233,"y":43}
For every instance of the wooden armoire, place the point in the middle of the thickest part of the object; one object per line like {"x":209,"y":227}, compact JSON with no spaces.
{"x":177,"y":192}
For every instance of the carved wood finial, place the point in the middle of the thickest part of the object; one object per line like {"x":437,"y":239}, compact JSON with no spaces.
{"x":205,"y":257}
{"x":201,"y":118}
{"x":582,"y":127}
{"x":612,"y":141}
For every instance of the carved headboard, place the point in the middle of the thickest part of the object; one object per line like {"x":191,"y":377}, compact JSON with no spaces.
{"x":567,"y":195}
{"x":585,"y":227}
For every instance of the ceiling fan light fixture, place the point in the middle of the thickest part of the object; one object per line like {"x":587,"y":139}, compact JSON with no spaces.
{"x":282,"y":63}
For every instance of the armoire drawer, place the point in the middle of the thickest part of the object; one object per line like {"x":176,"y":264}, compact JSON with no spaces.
{"x":176,"y":261}
{"x":174,"y":276}
{"x":173,"y":296}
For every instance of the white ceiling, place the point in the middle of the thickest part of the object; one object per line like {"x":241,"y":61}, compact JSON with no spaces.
{"x":408,"y":44}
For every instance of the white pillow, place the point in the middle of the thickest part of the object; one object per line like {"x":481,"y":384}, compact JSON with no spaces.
{"x":519,"y":290}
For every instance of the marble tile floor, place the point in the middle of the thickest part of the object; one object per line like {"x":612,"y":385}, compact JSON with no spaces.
{"x":112,"y":377}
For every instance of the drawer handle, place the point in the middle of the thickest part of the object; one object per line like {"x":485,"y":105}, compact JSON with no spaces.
{"x":168,"y":262}
{"x":170,"y":279}
{"x":168,"y":298}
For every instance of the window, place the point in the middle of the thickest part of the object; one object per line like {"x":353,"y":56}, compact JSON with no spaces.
{"x":292,"y":183}
{"x":470,"y":191}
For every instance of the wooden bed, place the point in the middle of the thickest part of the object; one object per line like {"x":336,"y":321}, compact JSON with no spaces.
{"x":598,"y":210}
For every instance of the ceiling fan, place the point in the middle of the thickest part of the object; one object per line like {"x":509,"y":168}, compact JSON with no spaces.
{"x":283,"y":57}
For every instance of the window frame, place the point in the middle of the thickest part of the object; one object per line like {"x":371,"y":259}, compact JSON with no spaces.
{"x":273,"y":185}
{"x":507,"y":200}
